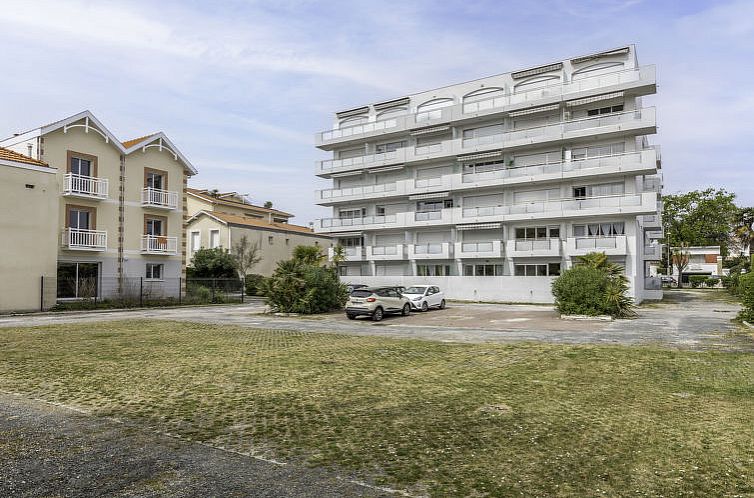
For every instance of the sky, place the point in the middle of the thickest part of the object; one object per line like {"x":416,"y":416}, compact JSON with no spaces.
{"x":241,"y":87}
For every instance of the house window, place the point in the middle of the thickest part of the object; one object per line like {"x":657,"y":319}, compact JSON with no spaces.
{"x":389,"y":147}
{"x":433,"y":270}
{"x":154,"y":271}
{"x":351,"y":242}
{"x":579,"y":192}
{"x":601,"y":190}
{"x":155,"y":179}
{"x":287,"y":241}
{"x":154,"y":226}
{"x":80,"y":218}
{"x":214,"y":239}
{"x":379,"y":210}
{"x":606,"y":229}
{"x":580,"y":153}
{"x":195,"y":241}
{"x":347,"y":214}
{"x":605,"y":110}
{"x":537,"y":270}
{"x":546,"y":232}
{"x":482,"y":270}
{"x":271,"y":240}
{"x":78,"y":280}
{"x":81,"y":167}
{"x":435,"y":205}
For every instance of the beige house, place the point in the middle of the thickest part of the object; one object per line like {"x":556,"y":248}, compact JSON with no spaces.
{"x":222,"y":219}
{"x":120,"y":211}
{"x":28,"y":254}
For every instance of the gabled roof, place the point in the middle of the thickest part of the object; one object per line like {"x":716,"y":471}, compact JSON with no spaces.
{"x":9,"y":155}
{"x":247,"y":222}
{"x":91,"y":123}
{"x":206,"y":196}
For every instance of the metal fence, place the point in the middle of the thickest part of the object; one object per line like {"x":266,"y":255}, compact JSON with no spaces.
{"x":94,"y":291}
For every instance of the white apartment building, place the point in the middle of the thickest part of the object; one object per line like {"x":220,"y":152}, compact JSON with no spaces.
{"x":490,"y":188}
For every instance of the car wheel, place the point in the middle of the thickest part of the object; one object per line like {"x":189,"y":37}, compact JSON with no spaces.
{"x":406,"y":309}
{"x":442,"y":304}
{"x":378,"y":314}
{"x":350,"y":316}
{"x":425,"y":307}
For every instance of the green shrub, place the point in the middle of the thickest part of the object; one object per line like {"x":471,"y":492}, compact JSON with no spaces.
{"x":212,"y":263}
{"x":581,"y":291}
{"x":300,"y":287}
{"x":697,"y":280}
{"x":746,"y":291}
{"x":254,"y":284}
{"x":198,"y":293}
{"x":711,"y":282}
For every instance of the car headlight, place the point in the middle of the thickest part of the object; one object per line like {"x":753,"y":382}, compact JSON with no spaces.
{"x":417,"y":298}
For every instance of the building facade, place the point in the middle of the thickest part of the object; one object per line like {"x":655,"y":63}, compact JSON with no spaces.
{"x":218,"y":219}
{"x":702,"y":260}
{"x":492,"y":187}
{"x":121,"y":207}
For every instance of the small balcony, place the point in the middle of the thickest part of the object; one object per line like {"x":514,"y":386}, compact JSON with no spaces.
{"x":432,"y":250}
{"x":363,"y":221}
{"x":533,"y":248}
{"x":386,"y":253}
{"x":88,"y":187}
{"x":355,"y":253}
{"x":487,"y":249}
{"x":611,"y":246}
{"x":80,"y":239}
{"x":159,"y":244}
{"x":651,"y":222}
{"x":652,"y":252}
{"x":163,"y":199}
{"x":360,"y":192}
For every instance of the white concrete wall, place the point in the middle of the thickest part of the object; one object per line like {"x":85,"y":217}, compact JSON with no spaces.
{"x":492,"y":289}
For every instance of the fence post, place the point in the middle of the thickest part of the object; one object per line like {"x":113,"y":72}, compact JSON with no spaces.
{"x":42,"y":293}
{"x":180,"y":285}
{"x":141,"y":292}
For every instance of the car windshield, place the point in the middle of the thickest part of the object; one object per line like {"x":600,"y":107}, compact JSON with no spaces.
{"x":361,"y":293}
{"x":415,"y":290}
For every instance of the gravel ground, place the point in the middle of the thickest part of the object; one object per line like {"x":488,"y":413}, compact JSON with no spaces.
{"x":48,"y":450}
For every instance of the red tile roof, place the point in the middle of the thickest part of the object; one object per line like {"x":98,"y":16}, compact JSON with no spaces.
{"x":231,"y":202}
{"x":260,"y":223}
{"x":9,"y":155}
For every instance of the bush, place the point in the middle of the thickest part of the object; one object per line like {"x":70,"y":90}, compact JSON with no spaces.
{"x":212,"y":263}
{"x":711,"y":282}
{"x":581,"y":291}
{"x":746,"y":291}
{"x":697,"y":280}
{"x":198,"y":293}
{"x":299,"y":287}
{"x":254,"y":284}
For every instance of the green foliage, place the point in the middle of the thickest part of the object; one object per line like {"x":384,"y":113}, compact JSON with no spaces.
{"x":199,"y":293}
{"x":699,"y":218}
{"x":697,"y":280}
{"x":300,"y":287}
{"x":212,"y":263}
{"x":308,"y":255}
{"x":711,"y":282}
{"x":743,"y":230}
{"x":595,"y":286}
{"x":254,"y":284}
{"x":746,"y":291}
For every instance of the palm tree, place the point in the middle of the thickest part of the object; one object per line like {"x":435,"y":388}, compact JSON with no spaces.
{"x":616,"y":293}
{"x":744,"y":229}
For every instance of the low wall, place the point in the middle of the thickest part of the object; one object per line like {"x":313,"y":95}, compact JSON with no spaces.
{"x":493,"y":289}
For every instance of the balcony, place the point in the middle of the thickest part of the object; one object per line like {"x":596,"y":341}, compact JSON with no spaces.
{"x":79,"y":239}
{"x":89,"y":187}
{"x":383,"y":253}
{"x":640,"y":121}
{"x":611,"y":246}
{"x":642,"y":80}
{"x":159,"y":244}
{"x":361,"y":222}
{"x":533,"y":248}
{"x":428,"y":218}
{"x":651,"y":222}
{"x":652,"y":183}
{"x":487,"y":249}
{"x":163,"y":199}
{"x":360,"y":192}
{"x":434,"y":250}
{"x":652,"y":252}
{"x":355,"y":253}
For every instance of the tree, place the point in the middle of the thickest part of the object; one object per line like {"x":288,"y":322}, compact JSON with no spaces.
{"x":300,"y":287}
{"x":212,"y":263}
{"x":743,"y":230}
{"x":338,"y":255}
{"x":680,"y":258}
{"x":310,"y":255}
{"x":268,"y":204}
{"x":699,"y":218}
{"x":617,"y":300}
{"x":246,"y":255}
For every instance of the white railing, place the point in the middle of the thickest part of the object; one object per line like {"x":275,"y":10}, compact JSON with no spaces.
{"x":89,"y":186}
{"x":427,"y":215}
{"x":596,"y":242}
{"x":364,"y":220}
{"x":433,"y":248}
{"x":534,"y":244}
{"x":477,"y":246}
{"x":385,"y":250}
{"x":159,"y":244}
{"x":484,"y":211}
{"x":358,"y":129}
{"x":79,"y":238}
{"x":361,"y":190}
{"x":428,"y":149}
{"x":428,"y":182}
{"x":159,"y":198}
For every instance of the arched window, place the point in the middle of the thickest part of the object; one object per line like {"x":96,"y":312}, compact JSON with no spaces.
{"x":353,"y":121}
{"x":536,"y":82}
{"x":391,"y":113}
{"x":432,"y":109}
{"x":595,"y":69}
{"x":484,"y":98}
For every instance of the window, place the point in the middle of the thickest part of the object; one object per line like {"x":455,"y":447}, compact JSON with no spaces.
{"x":434,"y":205}
{"x":347,"y":214}
{"x":537,"y":270}
{"x":484,"y":167}
{"x":349,"y":153}
{"x":544,"y":232}
{"x":606,"y":229}
{"x":433,"y":270}
{"x":539,"y":158}
{"x":432,"y":109}
{"x":78,"y":280}
{"x":580,"y":153}
{"x":271,"y":240}
{"x":81,"y":167}
{"x":154,"y":226}
{"x":389,"y":147}
{"x":157,"y":180}
{"x":195,"y":241}
{"x":351,"y":242}
{"x":379,"y":210}
{"x":579,"y":192}
{"x":482,"y":135}
{"x":154,"y":271}
{"x":605,"y":110}
{"x":287,"y":241}
{"x":601,"y":190}
{"x":483,"y":270}
{"x":80,"y":217}
{"x":214,"y":239}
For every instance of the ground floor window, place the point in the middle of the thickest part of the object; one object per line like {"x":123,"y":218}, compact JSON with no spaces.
{"x":433,"y":270}
{"x":482,"y":270}
{"x":154,"y":271}
{"x":78,"y":280}
{"x":537,"y":270}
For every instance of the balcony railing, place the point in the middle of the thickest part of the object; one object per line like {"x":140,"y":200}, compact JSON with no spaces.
{"x":159,"y":244}
{"x":84,"y":240}
{"x":427,"y":215}
{"x":359,"y":129}
{"x":385,"y":250}
{"x":361,"y":190}
{"x":485,"y":211}
{"x":364,"y":220}
{"x":85,"y":186}
{"x":596,"y":243}
{"x":533,"y":247}
{"x":159,"y":198}
{"x":433,"y":248}
{"x":477,"y":246}
{"x":427,"y":182}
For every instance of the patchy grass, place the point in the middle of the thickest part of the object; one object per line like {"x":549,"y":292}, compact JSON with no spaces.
{"x":433,"y":418}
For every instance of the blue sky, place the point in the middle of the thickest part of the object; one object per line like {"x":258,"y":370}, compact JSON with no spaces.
{"x":242,"y":86}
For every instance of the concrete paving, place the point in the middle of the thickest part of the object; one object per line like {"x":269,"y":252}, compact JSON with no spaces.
{"x":686,"y":319}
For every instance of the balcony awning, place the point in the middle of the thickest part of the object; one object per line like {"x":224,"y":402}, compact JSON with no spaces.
{"x":349,"y":234}
{"x":430,"y":130}
{"x":482,"y":155}
{"x":537,"y":70}
{"x":435,"y":195}
{"x":534,"y":110}
{"x":596,"y":98}
{"x":385,"y":168}
{"x":478,"y":226}
{"x":391,"y":103}
{"x":347,"y":173}
{"x":352,"y":112}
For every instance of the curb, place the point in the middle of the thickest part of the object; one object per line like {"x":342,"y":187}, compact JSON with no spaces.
{"x":587,"y":318}
{"x":110,"y":310}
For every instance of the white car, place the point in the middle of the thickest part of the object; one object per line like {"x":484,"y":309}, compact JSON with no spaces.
{"x":423,"y":297}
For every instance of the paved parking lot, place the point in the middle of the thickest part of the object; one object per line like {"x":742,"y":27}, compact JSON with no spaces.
{"x":687,"y":318}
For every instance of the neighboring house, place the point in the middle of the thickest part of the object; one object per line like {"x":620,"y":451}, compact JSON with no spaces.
{"x":490,"y":188}
{"x":121,"y":207}
{"x":28,"y":252}
{"x":703,"y":260}
{"x":222,"y":219}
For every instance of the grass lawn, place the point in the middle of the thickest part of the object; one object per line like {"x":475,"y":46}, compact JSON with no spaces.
{"x":432,"y":418}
